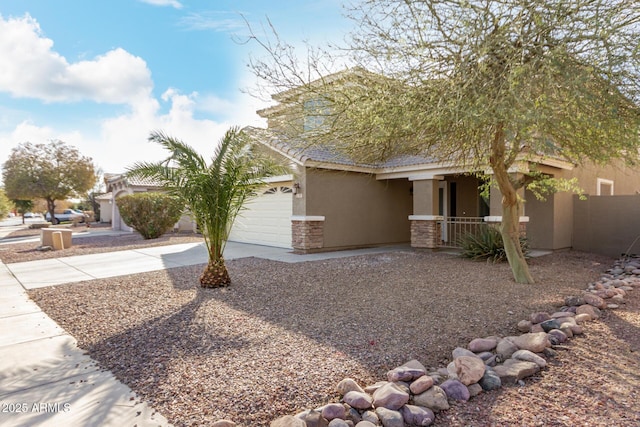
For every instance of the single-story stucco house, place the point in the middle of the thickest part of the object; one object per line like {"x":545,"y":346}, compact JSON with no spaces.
{"x":119,"y":185}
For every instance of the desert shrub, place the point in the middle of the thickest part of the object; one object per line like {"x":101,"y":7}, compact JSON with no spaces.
{"x":150,"y":214}
{"x":487,"y":244}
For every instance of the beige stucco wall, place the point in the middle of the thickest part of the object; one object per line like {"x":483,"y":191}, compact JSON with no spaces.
{"x":551,"y":222}
{"x":607,"y":225}
{"x":105,"y":211}
{"x":358,"y":209}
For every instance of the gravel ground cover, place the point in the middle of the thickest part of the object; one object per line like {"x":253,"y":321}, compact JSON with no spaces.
{"x":283,"y":335}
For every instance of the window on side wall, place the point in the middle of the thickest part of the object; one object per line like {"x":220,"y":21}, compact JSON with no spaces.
{"x":604,"y":187}
{"x":316,"y":112}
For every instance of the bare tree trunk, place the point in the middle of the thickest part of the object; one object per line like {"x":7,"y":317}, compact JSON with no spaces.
{"x":51,"y":206}
{"x":510,"y":230}
{"x":510,"y":227}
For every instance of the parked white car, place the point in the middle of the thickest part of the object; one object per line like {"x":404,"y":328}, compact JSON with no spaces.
{"x":68,"y":215}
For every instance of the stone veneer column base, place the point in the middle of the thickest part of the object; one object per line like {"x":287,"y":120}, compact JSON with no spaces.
{"x":307,"y":233}
{"x":426,"y":231}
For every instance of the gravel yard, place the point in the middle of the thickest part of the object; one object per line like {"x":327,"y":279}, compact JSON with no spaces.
{"x":281,"y":337}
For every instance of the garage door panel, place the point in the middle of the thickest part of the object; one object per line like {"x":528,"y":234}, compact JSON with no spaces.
{"x":266,"y":219}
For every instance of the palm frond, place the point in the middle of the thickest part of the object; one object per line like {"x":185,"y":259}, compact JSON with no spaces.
{"x":216,"y":192}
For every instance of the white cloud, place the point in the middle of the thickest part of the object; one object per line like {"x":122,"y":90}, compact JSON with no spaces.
{"x":30,"y":68}
{"x":219,"y":21}
{"x":173,"y":3}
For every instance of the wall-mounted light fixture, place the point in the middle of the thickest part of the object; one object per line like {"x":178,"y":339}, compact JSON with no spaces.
{"x":296,"y":189}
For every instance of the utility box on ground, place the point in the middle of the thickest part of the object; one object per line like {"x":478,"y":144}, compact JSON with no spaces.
{"x":46,"y":238}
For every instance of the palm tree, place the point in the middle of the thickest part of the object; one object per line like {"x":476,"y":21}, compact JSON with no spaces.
{"x":214,"y":192}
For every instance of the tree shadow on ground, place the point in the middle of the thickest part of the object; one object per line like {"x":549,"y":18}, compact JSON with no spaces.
{"x":260,"y":347}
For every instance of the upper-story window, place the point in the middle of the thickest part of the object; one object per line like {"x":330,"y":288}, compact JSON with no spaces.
{"x":604,"y":187}
{"x":316,"y":112}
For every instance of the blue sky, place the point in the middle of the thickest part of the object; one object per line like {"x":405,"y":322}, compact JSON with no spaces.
{"x":101,"y":75}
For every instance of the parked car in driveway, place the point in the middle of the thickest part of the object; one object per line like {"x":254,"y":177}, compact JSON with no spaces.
{"x":68,"y":215}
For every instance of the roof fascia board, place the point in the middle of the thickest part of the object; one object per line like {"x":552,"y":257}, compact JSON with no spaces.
{"x":284,"y":153}
{"x":418,"y":172}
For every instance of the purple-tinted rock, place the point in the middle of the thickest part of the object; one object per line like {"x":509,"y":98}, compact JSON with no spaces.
{"x":422,"y":384}
{"x":347,"y":385}
{"x":539,"y":317}
{"x":594,"y":300}
{"x":417,"y":415}
{"x":404,"y":373}
{"x":390,"y":396}
{"x":358,"y":400}
{"x":561,"y":315}
{"x":591,"y":310}
{"x":334,"y":410}
{"x":535,"y":342}
{"x":479,"y":345}
{"x":288,"y":421}
{"x":556,"y":336}
{"x":528,"y":356}
{"x":455,"y":390}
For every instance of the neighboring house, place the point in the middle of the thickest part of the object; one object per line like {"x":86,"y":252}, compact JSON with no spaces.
{"x":105,"y":202}
{"x":119,"y":185}
{"x":337,"y":203}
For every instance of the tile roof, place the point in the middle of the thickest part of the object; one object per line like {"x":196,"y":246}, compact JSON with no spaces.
{"x":327,"y":154}
{"x":132,"y":181}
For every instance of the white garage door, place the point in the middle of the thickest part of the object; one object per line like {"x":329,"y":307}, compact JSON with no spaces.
{"x":266,"y":219}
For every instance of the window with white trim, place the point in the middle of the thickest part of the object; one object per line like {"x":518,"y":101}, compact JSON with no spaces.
{"x":604,"y":187}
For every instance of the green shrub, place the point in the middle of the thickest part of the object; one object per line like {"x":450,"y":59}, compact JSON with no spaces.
{"x":150,"y":214}
{"x":487,"y":244}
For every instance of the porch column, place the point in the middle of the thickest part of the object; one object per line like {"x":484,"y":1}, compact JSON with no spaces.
{"x":307,"y":233}
{"x":426,"y":229}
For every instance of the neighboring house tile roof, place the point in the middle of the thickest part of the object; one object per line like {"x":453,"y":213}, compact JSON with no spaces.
{"x":143,"y":182}
{"x":105,"y":197}
{"x":132,"y":181}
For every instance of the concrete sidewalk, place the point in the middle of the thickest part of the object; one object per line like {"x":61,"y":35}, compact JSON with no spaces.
{"x":57,"y":271}
{"x":45,"y":379}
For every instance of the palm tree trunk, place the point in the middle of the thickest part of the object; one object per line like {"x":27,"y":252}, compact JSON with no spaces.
{"x":215,"y":275}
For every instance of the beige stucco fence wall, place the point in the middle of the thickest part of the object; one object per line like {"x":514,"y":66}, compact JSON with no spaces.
{"x":608,"y":225}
